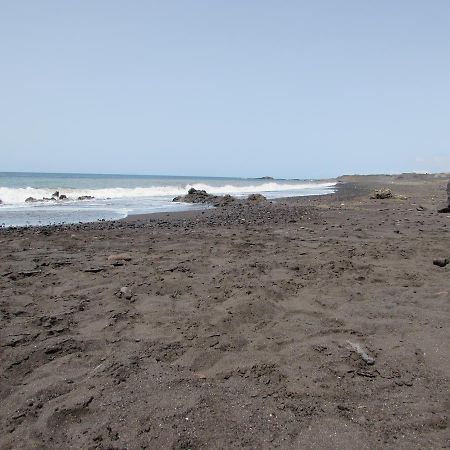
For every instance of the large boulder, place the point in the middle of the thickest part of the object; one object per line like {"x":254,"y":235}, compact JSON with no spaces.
{"x":85,"y":197}
{"x":31,"y":200}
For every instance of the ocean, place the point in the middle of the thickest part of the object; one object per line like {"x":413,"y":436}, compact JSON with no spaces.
{"x":117,"y":196}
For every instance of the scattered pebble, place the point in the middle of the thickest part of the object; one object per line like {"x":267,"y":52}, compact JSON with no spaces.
{"x":119,"y":257}
{"x":125,"y":292}
{"x":441,"y":262}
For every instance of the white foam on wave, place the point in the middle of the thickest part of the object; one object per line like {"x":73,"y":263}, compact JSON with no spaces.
{"x":16,"y":196}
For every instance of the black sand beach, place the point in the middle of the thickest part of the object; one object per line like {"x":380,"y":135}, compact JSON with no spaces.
{"x":313,"y":323}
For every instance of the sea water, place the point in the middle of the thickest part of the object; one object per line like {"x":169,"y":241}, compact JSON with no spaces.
{"x":117,"y":196}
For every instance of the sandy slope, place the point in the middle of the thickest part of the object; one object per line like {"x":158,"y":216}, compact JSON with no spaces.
{"x":241,"y":329}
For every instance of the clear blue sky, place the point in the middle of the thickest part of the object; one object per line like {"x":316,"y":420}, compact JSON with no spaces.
{"x":233,"y":87}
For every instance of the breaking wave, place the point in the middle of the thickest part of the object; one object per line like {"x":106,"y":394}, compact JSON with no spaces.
{"x":16,"y":196}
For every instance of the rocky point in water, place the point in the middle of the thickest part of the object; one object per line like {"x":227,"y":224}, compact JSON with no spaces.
{"x":201,"y":196}
{"x":55,"y":196}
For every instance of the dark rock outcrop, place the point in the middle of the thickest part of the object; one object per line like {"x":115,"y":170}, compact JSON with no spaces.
{"x":53,"y":198}
{"x":201,"y":196}
{"x":85,"y":197}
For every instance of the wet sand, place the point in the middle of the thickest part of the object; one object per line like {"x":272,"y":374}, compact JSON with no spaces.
{"x":313,"y":323}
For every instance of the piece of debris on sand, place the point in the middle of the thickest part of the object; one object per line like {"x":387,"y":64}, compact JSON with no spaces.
{"x":357,"y":348}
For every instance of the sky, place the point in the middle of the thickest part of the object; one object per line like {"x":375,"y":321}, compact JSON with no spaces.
{"x":293,"y":89}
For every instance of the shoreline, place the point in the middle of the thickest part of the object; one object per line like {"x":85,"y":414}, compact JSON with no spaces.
{"x":309,"y":322}
{"x":192,"y":209}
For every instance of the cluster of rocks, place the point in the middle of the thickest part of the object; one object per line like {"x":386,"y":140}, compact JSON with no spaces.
{"x":381,"y":194}
{"x":56,"y":196}
{"x":201,"y":196}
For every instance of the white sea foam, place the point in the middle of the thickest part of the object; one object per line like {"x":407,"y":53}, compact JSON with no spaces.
{"x":17,"y":196}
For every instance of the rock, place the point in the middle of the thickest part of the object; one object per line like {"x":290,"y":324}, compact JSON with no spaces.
{"x":441,"y":262}
{"x":197,"y":196}
{"x":125,"y":292}
{"x":93,"y":269}
{"x":85,"y":197}
{"x":266,"y":178}
{"x":63,"y":197}
{"x":223,"y":201}
{"x":1,"y":201}
{"x":119,"y":257}
{"x":381,"y":194}
{"x":56,"y":194}
{"x":29,"y":273}
{"x":45,"y":199}
{"x":256,"y":198}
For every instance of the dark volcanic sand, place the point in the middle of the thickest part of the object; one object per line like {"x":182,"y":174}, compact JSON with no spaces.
{"x":241,"y":329}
